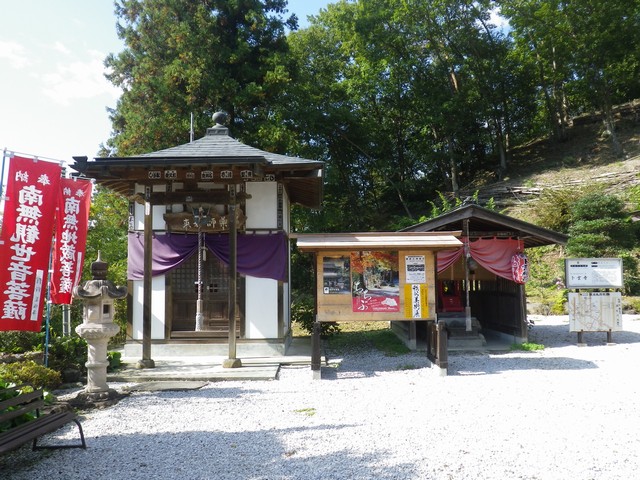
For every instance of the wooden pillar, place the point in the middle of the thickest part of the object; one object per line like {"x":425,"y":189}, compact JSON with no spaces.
{"x":524,"y":325}
{"x":316,"y":349}
{"x":146,"y":361}
{"x":442,"y":347}
{"x":467,"y":253}
{"x":232,"y":361}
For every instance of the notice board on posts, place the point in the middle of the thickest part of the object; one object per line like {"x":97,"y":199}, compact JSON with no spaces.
{"x":361,"y":277}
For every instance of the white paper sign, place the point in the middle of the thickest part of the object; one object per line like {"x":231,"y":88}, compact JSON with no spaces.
{"x":415,"y":269}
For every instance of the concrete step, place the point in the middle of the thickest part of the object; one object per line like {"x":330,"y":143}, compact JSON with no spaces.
{"x":467,"y":342}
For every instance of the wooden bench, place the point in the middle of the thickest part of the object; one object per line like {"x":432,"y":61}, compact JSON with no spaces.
{"x":12,"y":416}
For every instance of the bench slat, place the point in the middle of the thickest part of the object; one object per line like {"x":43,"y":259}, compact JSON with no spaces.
{"x":32,"y":429}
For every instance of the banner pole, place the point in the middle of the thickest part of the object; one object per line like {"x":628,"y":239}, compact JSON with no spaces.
{"x":4,"y":156}
{"x":48,"y":314}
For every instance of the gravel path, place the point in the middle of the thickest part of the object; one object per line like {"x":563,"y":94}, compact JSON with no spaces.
{"x":567,"y":412}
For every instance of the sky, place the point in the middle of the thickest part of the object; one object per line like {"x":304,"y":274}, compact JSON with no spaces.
{"x":53,"y":94}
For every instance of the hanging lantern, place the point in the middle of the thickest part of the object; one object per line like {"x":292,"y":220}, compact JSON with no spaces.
{"x":472,"y":264}
{"x":520,"y":267}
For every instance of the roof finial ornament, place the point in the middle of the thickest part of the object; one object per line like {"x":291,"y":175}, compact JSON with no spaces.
{"x":219,"y":119}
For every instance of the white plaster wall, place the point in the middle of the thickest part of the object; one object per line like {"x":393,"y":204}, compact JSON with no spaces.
{"x":261,"y":308}
{"x":286,"y":211}
{"x":286,"y":298}
{"x":158,"y":210}
{"x":157,"y":308}
{"x":262,"y":206}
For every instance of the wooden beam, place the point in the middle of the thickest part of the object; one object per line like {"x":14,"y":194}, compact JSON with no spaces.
{"x":217,"y":197}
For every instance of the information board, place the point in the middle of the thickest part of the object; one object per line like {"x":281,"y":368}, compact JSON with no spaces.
{"x":593,"y":273}
{"x":595,"y":311}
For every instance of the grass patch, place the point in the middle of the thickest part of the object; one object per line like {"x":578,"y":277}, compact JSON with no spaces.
{"x":407,"y":366}
{"x":367,"y":335}
{"x":527,"y":347}
{"x":309,"y":412}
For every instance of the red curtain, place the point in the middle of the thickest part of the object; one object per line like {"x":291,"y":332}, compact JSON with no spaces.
{"x":27,"y":229}
{"x":494,"y":254}
{"x":72,"y":222}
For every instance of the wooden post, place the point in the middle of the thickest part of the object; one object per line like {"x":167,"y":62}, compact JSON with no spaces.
{"x":146,"y":361}
{"x":442,"y":347}
{"x":413,"y":336}
{"x":316,"y":357}
{"x":467,"y":253}
{"x":232,"y":361}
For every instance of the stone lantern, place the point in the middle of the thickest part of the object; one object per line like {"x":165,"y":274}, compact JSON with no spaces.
{"x":97,"y":328}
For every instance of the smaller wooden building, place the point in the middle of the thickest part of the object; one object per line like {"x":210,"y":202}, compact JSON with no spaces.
{"x":486,"y":279}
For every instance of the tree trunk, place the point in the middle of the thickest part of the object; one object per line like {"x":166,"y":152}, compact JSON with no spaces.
{"x":455,"y":187}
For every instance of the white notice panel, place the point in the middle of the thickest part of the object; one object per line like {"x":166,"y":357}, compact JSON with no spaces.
{"x":593,"y":272}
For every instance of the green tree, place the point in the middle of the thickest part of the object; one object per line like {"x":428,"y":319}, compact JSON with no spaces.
{"x":108,"y":227}
{"x":183,"y":57}
{"x":540,"y":33}
{"x":585,"y":53}
{"x":601,"y":227}
{"x":401,"y":98}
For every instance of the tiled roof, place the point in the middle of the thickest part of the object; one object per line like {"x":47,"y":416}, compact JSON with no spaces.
{"x":218,"y":144}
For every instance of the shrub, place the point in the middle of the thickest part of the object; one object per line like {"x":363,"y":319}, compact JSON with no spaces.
{"x":31,"y":373}
{"x":20,"y":342}
{"x":603,"y":228}
{"x":114,"y":359}
{"x":303,"y":312}
{"x":553,"y":209}
{"x":68,"y":353}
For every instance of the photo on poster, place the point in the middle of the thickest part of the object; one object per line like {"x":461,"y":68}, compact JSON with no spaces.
{"x":375,"y":282}
{"x":336,"y":275}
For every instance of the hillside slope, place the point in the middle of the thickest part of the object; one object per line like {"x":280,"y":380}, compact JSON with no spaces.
{"x":584,"y":158}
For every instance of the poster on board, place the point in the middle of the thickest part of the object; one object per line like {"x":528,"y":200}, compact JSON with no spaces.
{"x":375,"y":281}
{"x":415,"y":269}
{"x":336,"y":275}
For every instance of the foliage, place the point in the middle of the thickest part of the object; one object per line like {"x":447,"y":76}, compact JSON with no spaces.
{"x":545,"y":285}
{"x":303,"y":312}
{"x":68,"y":353}
{"x":184,"y":57}
{"x":631,"y":305}
{"x":527,"y":347}
{"x":601,"y":227}
{"x":31,"y":373}
{"x":5,"y":394}
{"x":309,"y":411}
{"x":108,"y":220}
{"x":361,"y":336}
{"x":553,"y":209}
{"x":114,"y":359}
{"x":20,"y":342}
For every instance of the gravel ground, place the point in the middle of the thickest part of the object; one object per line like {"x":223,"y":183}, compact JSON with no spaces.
{"x":568,"y":412}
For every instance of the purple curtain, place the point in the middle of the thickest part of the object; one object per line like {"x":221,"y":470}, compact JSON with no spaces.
{"x":263,"y":256}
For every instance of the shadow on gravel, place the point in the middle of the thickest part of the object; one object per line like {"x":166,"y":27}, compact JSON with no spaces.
{"x":370,"y":363}
{"x":554,"y":336}
{"x":210,"y":454}
{"x":465,"y":365}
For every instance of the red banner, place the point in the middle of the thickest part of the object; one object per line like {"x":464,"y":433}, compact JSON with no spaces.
{"x":72,"y":222}
{"x":29,"y":210}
